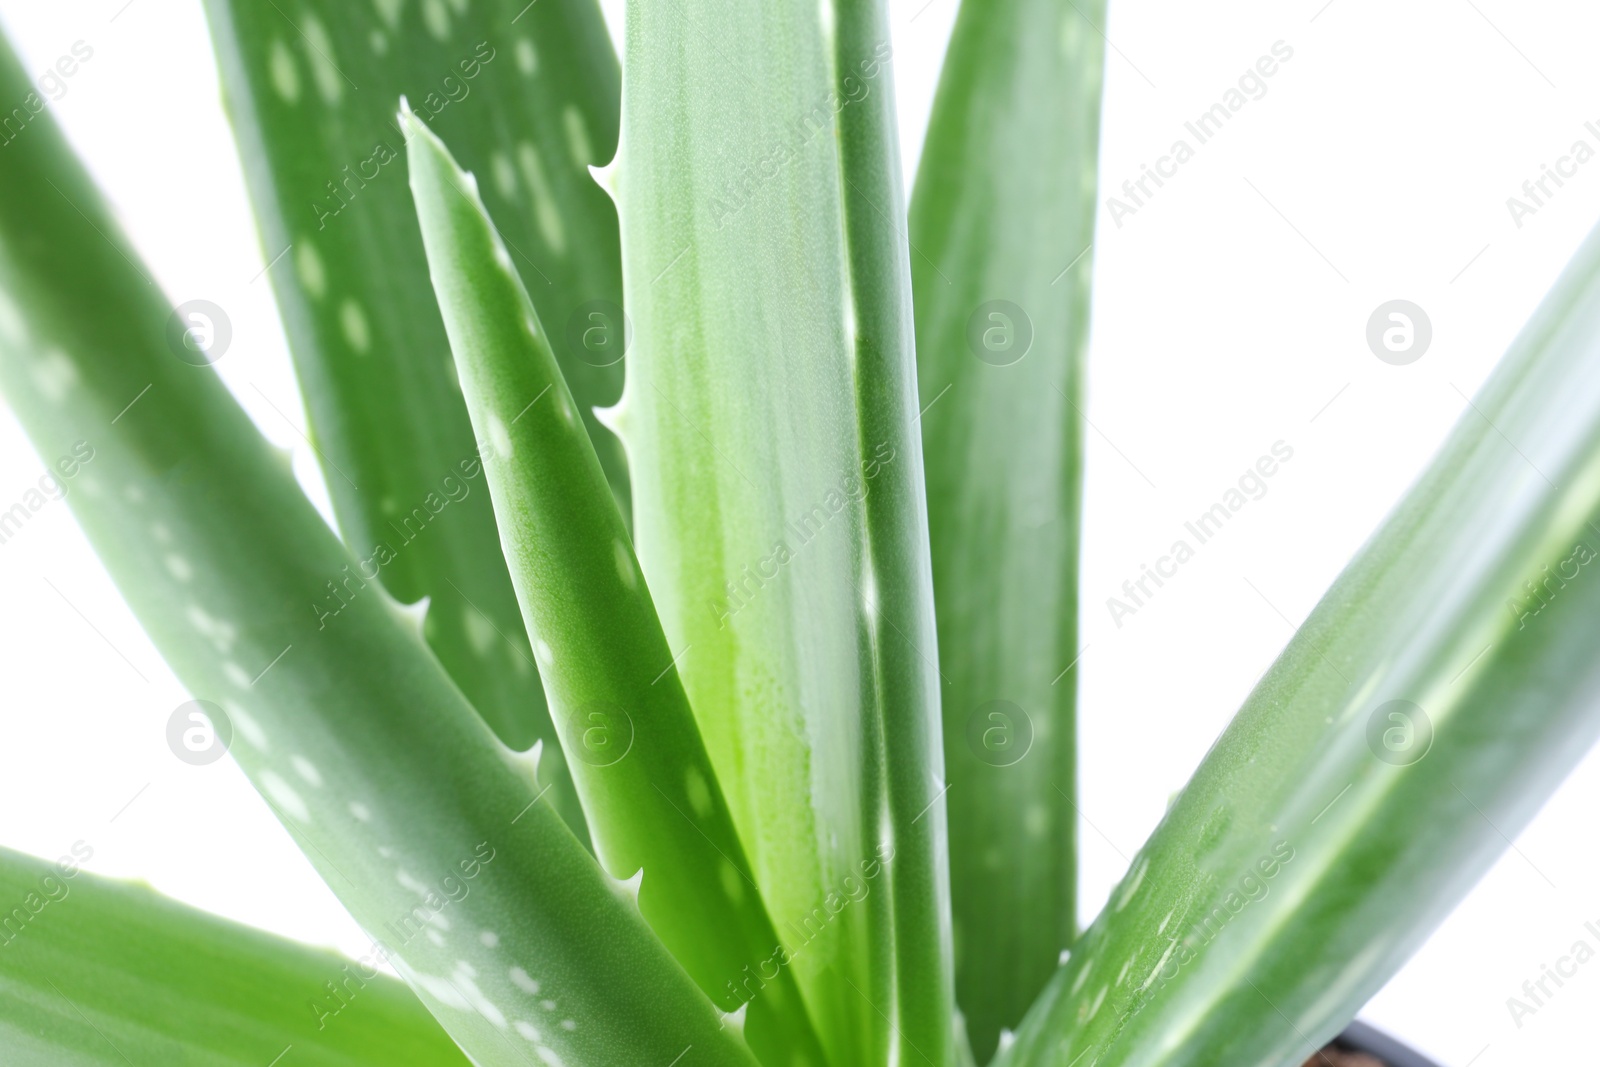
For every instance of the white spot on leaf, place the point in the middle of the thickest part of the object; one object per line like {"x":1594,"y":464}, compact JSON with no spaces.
{"x":625,"y":567}
{"x":389,"y":11}
{"x":353,"y":324}
{"x":216,"y":631}
{"x":1134,"y":881}
{"x":504,"y":175}
{"x":698,"y":791}
{"x":480,"y":631}
{"x":284,"y":72}
{"x":324,"y":69}
{"x":308,"y":267}
{"x":247,"y":726}
{"x":283,"y":795}
{"x":499,"y":438}
{"x":551,"y":228}
{"x":307,"y":770}
{"x":577,"y":136}
{"x":54,"y":374}
{"x":732,"y":881}
{"x":11,"y":327}
{"x":437,"y":16}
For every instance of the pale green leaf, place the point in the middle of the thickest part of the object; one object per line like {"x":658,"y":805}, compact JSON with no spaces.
{"x":768,"y":415}
{"x":652,"y":798}
{"x":528,"y":94}
{"x":427,"y":828}
{"x":100,"y":973}
{"x":1422,"y":713}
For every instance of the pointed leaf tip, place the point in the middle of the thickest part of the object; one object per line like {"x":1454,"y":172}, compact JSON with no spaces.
{"x":734,"y":1020}
{"x":630,"y":885}
{"x":606,"y":177}
{"x":615,"y":417}
{"x":414,"y":615}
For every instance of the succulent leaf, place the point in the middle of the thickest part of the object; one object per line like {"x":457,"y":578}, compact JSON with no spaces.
{"x":528,"y":94}
{"x":768,"y":401}
{"x":429,"y":830}
{"x":648,"y":788}
{"x":1434,"y":698}
{"x":1003,"y":220}
{"x":106,"y":973}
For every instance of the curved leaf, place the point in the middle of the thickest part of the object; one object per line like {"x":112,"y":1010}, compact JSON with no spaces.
{"x":1432,"y":701}
{"x":427,"y":828}
{"x":529,"y":95}
{"x":653,"y":801}
{"x":107,"y":973}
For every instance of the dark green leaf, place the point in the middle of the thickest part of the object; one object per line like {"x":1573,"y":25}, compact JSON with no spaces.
{"x":528,"y":94}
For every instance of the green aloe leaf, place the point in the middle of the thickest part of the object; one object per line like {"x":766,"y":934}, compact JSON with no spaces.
{"x":648,"y":787}
{"x":100,"y":973}
{"x":425,"y":825}
{"x":528,"y":94}
{"x":900,"y":617}
{"x":768,"y":416}
{"x":1002,"y":220}
{"x":1419,"y":717}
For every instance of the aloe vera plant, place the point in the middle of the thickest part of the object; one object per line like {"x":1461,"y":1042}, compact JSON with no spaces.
{"x":729,"y":725}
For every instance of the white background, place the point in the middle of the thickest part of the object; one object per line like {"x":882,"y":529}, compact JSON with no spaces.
{"x":1229,"y":314}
